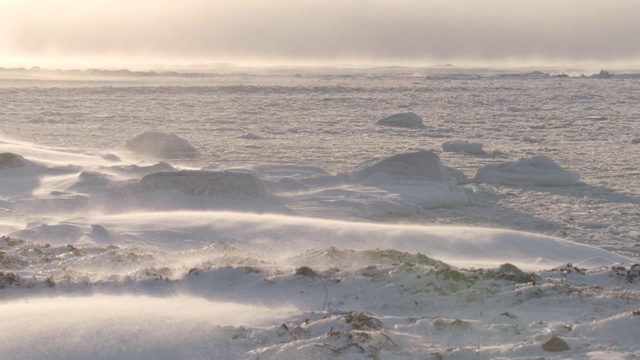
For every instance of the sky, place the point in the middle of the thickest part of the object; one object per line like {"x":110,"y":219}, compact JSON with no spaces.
{"x":97,"y":33}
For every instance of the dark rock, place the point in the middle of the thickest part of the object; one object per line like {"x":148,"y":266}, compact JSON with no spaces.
{"x":555,"y":344}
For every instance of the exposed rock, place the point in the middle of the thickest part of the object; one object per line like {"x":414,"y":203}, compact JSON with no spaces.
{"x":306,"y":271}
{"x":512,"y":273}
{"x":11,"y":161}
{"x":555,"y":344}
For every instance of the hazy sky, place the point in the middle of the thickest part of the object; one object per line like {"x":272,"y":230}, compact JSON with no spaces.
{"x":420,"y":32}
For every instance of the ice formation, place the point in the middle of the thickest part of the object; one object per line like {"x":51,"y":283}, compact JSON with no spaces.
{"x":198,"y":182}
{"x":417,"y":178}
{"x":161,"y":144}
{"x":538,"y":170}
{"x":463,"y":147}
{"x":420,"y":165}
{"x":404,"y":120}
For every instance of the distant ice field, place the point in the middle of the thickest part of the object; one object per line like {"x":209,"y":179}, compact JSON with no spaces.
{"x":320,"y":215}
{"x":327,"y":120}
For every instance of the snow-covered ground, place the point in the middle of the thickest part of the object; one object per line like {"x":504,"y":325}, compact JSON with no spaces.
{"x":271,"y":216}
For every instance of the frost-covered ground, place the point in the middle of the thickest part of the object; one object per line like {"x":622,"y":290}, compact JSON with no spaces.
{"x":274,"y":216}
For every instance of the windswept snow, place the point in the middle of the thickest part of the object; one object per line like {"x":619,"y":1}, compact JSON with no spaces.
{"x":315,"y":234}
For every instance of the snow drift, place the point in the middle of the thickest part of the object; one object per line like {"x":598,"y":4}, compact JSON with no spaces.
{"x":538,"y":170}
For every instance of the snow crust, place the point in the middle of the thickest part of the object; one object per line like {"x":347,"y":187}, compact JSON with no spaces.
{"x":538,"y":170}
{"x":161,"y":144}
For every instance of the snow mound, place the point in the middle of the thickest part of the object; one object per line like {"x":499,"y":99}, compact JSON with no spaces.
{"x":212,"y":183}
{"x":413,"y":179}
{"x":404,"y":120}
{"x":420,"y":165}
{"x":538,"y":170}
{"x":463,"y":147}
{"x":161,"y":144}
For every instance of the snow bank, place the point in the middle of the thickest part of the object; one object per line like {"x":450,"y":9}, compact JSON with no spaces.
{"x":404,"y":120}
{"x":161,"y":144}
{"x":198,"y":182}
{"x":463,"y":147}
{"x":538,"y":170}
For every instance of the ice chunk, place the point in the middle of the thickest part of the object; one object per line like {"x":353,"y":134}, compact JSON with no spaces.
{"x":404,"y":120}
{"x":460,"y":177}
{"x":463,"y":147}
{"x":538,"y":170}
{"x":420,"y":165}
{"x":161,"y":144}
{"x":416,"y":178}
{"x":198,"y":182}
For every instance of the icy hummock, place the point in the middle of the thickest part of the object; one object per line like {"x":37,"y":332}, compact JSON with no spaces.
{"x":403,"y":120}
{"x":161,"y":144}
{"x":418,"y":178}
{"x":420,"y":165}
{"x":538,"y":170}
{"x":211,"y":183}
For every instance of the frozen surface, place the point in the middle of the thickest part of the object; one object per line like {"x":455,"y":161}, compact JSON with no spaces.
{"x":303,"y":230}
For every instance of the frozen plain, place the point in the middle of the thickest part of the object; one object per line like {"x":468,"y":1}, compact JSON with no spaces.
{"x":317,"y":268}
